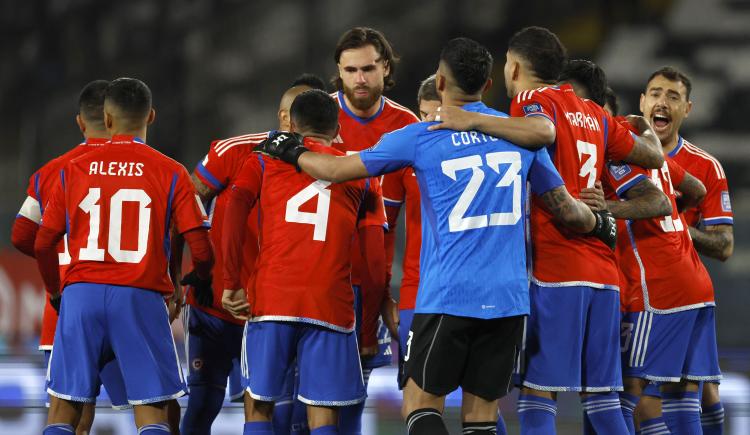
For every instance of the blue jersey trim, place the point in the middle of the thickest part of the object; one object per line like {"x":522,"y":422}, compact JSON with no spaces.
{"x":606,"y":132}
{"x":357,"y":118}
{"x":677,"y":148}
{"x":629,"y":184}
{"x":67,"y":218}
{"x":36,"y":191}
{"x":168,"y":218}
{"x":718,"y":221}
{"x":217,"y":185}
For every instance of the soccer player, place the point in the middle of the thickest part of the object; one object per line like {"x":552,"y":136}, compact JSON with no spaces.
{"x":666,"y":103}
{"x":366,"y":65}
{"x":574,"y":280}
{"x":472,"y":298}
{"x":301,"y":303}
{"x":117,"y":205}
{"x":214,"y":336}
{"x":90,"y":120}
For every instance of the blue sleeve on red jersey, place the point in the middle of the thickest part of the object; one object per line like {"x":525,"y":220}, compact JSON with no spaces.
{"x":394,"y":151}
{"x":214,"y":182}
{"x":543,"y":175}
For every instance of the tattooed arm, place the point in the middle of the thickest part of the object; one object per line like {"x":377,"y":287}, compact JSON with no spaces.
{"x":693,"y":192}
{"x":206,"y":193}
{"x":715,"y":241}
{"x":644,"y":200}
{"x":572,"y":213}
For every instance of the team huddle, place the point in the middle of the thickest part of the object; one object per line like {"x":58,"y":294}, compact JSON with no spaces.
{"x":552,"y":249}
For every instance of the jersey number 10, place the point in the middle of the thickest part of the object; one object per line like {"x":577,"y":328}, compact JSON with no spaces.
{"x":92,"y":251}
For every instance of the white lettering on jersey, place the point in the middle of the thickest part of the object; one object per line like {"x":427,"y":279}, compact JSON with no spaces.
{"x":581,"y":120}
{"x":116,"y":169}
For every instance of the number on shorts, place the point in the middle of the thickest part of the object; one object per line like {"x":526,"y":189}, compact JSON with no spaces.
{"x":408,"y":346}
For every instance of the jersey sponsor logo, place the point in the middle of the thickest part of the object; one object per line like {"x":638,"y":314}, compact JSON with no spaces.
{"x":619,"y":171}
{"x":582,"y":120}
{"x":532,"y":108}
{"x":726,"y":204}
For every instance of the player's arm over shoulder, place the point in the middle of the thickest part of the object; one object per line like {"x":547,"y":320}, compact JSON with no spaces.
{"x":636,"y":144}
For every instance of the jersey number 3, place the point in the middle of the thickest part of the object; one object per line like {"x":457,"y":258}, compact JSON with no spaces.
{"x":457,"y":220}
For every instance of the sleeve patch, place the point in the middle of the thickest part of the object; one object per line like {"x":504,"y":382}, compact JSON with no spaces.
{"x":619,"y":171}
{"x":532,"y":108}
{"x":726,"y":204}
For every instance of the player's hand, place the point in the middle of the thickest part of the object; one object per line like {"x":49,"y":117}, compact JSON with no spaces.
{"x":236,"y":303}
{"x":605,"y":228}
{"x":389,"y":313}
{"x":204,"y":294}
{"x":55,"y":300}
{"x":639,"y":123}
{"x":594,"y":197}
{"x":453,"y":118}
{"x":284,"y":146}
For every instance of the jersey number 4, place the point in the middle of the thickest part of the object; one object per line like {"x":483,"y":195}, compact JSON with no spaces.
{"x":92,"y":251}
{"x":319,"y":219}
{"x":457,"y":220}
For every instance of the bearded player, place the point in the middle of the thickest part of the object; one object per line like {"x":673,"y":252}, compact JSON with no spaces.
{"x":366,"y":66}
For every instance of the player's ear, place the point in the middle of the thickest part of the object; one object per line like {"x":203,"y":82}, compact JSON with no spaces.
{"x":292,"y":127}
{"x":440,"y":82}
{"x":108,"y":120}
{"x":688,"y":108}
{"x":81,"y":123}
{"x":516,"y":70}
{"x":151,"y":116}
{"x":283,"y":116}
{"x":386,"y":68}
{"x":487,"y":85}
{"x":641,"y":103}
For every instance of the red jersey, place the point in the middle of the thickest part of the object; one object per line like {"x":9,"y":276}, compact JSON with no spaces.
{"x":660,"y":270}
{"x":218,"y":170}
{"x":398,"y":188}
{"x":716,"y":208}
{"x":38,"y":192}
{"x":357,"y":134}
{"x":117,"y":205}
{"x":586,"y":138}
{"x":306,"y":232}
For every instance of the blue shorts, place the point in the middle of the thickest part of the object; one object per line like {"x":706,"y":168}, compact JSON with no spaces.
{"x":670,"y":347}
{"x":572,"y":340}
{"x":328,"y":363}
{"x":405,"y":319}
{"x":385,"y":354}
{"x":213,"y":346}
{"x":101,"y":322}
{"x":111,"y":378}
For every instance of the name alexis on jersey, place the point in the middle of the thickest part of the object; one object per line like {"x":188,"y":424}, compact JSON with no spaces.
{"x":582,"y":120}
{"x":117,"y":169}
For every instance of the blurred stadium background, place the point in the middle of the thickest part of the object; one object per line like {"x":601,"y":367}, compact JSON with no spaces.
{"x":218,"y":67}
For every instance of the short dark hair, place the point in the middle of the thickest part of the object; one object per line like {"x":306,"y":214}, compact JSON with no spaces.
{"x":589,"y":75}
{"x":131,"y":96}
{"x":91,"y":100}
{"x":470,"y":63}
{"x":673,"y":74}
{"x":309,"y":80}
{"x":315,"y":110}
{"x":360,"y":37}
{"x":542,"y":49}
{"x":428,"y":90}
{"x":610,"y":98}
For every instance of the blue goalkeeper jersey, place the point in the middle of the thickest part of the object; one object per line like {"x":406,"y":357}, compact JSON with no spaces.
{"x":473,"y":261}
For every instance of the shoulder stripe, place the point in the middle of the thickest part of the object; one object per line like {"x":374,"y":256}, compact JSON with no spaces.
{"x":401,"y":108}
{"x":224,"y":145}
{"x":692,"y":149}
